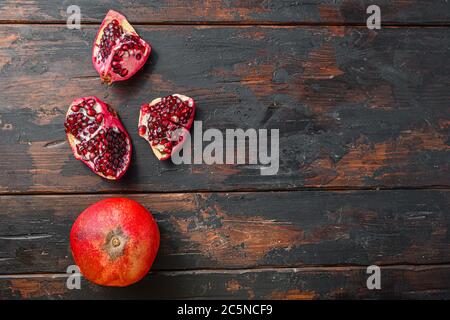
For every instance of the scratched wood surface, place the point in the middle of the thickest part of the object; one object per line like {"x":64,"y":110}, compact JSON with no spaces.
{"x":364,"y":148}
{"x":246,"y":230}
{"x":401,"y":282}
{"x":234,"y":11}
{"x":355,"y":108}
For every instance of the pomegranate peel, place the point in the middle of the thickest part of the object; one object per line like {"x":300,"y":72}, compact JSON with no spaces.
{"x":114,"y":242}
{"x":165,"y":122}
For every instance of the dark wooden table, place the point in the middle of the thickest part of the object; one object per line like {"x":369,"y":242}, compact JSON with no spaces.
{"x":364,"y":120}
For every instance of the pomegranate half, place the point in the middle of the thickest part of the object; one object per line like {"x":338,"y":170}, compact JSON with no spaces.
{"x":98,"y":138}
{"x":118,"y":51}
{"x":165,"y":122}
{"x":114,"y":242}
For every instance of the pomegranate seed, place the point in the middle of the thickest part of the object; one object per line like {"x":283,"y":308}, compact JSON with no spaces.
{"x":75,"y":108}
{"x":99,"y":118}
{"x":142,"y":130}
{"x":91,"y":112}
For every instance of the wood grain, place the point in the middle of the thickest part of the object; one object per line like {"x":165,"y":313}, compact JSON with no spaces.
{"x":245,"y":230}
{"x":355,"y":108}
{"x":235,"y":11}
{"x":398,"y":282}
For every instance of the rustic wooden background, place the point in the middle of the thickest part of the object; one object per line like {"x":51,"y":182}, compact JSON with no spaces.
{"x":364,"y":122}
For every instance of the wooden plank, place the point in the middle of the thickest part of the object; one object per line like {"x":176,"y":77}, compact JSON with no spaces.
{"x":355,"y":108}
{"x":240,"y":11}
{"x":397,"y":282}
{"x":245,"y":230}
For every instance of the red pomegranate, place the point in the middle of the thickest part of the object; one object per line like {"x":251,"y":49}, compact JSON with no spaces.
{"x":98,"y":138}
{"x":164,"y":123}
{"x":118,"y":51}
{"x":114,"y":242}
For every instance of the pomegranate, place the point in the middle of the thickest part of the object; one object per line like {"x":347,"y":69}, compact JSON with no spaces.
{"x":114,"y":242}
{"x":98,"y":138}
{"x":164,"y":123}
{"x":118,"y":51}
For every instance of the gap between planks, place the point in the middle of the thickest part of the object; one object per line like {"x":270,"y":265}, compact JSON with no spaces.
{"x":237,"y":24}
{"x":242,"y":190}
{"x":409,"y":267}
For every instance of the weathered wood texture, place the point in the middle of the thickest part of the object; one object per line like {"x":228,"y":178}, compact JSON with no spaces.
{"x":245,"y":230}
{"x":355,"y":108}
{"x":240,"y":11}
{"x":398,"y":282}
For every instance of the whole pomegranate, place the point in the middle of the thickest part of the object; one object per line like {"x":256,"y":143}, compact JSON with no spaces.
{"x":118,"y":51}
{"x":164,"y":123}
{"x":98,"y":138}
{"x":114,"y":242}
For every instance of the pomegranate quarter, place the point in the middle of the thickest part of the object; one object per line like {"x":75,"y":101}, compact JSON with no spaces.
{"x":98,"y":138}
{"x":118,"y":51}
{"x":164,"y":123}
{"x":114,"y":242}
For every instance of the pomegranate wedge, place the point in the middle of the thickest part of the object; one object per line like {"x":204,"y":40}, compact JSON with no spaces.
{"x":160,"y":122}
{"x":118,"y":51}
{"x":98,"y":138}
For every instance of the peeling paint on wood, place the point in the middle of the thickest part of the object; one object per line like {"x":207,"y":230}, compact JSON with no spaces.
{"x":399,"y":282}
{"x":363,"y":110}
{"x":245,"y":230}
{"x":238,"y":11}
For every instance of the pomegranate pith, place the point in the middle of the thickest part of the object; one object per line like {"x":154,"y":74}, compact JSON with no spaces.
{"x":114,"y":242}
{"x":164,"y":123}
{"x":98,"y":138}
{"x":118,"y":51}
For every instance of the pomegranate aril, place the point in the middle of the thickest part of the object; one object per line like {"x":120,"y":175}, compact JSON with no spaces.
{"x":142,"y":130}
{"x":99,"y":118}
{"x":119,"y":55}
